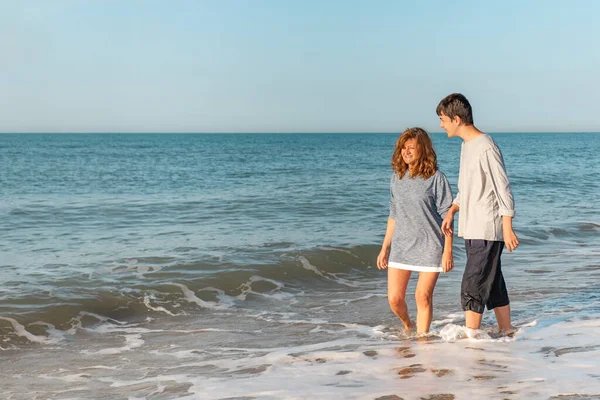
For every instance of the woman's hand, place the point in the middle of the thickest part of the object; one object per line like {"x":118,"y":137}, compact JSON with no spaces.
{"x":447,"y":261}
{"x":382,"y":258}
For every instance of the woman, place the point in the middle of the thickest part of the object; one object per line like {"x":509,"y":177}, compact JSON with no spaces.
{"x":420,"y":198}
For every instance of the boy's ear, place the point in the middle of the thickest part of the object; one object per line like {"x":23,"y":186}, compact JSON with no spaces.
{"x":457,"y":119}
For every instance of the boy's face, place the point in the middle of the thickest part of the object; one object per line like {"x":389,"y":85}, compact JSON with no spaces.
{"x":449,"y":125}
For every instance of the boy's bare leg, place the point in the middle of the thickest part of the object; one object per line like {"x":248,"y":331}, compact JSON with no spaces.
{"x":473,"y":319}
{"x":503,"y":318}
{"x":397,"y":283}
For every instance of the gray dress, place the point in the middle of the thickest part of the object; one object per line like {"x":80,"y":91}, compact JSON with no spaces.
{"x":418,"y":206}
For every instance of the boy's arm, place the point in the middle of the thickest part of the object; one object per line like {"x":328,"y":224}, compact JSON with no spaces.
{"x":510,"y":238}
{"x":493,"y":164}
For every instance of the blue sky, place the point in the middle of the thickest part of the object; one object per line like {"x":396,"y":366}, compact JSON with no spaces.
{"x":295,"y":66}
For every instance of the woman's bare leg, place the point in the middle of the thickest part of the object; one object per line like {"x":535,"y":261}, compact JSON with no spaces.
{"x":397,"y":283}
{"x":424,"y":298}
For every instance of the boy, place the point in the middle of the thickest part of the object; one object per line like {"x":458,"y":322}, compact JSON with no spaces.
{"x":486,"y":207}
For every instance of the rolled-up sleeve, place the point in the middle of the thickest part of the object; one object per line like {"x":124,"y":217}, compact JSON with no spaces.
{"x":392,"y":200}
{"x":493,"y":165}
{"x":443,"y":198}
{"x":457,"y":199}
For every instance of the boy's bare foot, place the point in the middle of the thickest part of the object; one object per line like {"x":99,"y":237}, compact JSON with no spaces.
{"x":510,"y":332}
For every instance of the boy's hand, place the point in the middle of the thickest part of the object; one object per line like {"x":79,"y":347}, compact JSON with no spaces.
{"x":447,"y":261}
{"x":510,"y":239}
{"x":447,"y":224}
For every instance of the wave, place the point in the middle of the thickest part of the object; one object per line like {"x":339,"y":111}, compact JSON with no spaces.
{"x":135,"y":290}
{"x":58,"y":302}
{"x":542,"y":234}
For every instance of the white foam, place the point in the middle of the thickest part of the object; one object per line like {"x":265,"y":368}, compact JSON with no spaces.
{"x":340,"y":250}
{"x":329,"y":276}
{"x":346,"y":328}
{"x":442,"y":322}
{"x":157,"y":308}
{"x":21,"y":331}
{"x":107,"y":323}
{"x":291,"y":318}
{"x":144,"y":269}
{"x":549,"y":357}
{"x":343,"y":281}
{"x":131,"y":342}
{"x":55,"y":335}
{"x":346,"y":368}
{"x":100,"y":367}
{"x":348,"y":301}
{"x":67,"y":378}
{"x":191,"y":297}
{"x":308,"y":266}
{"x":99,"y":317}
{"x":274,"y":293}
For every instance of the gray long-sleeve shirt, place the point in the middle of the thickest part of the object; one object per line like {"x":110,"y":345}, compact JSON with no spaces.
{"x":484,"y":193}
{"x":418,"y":206}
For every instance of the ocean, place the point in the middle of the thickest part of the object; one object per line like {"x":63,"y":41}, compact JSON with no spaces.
{"x":243,"y":266}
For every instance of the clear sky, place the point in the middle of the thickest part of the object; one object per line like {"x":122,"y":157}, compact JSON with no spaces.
{"x":296,"y":66}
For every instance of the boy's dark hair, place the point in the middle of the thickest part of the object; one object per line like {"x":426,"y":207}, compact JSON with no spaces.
{"x":456,"y":105}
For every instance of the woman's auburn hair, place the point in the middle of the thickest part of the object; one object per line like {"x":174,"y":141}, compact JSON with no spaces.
{"x":426,"y":165}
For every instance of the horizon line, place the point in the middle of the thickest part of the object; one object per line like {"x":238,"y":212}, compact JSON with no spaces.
{"x":265,"y":133}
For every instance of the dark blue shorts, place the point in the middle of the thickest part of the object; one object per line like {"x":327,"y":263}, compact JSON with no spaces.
{"x":482,"y":283}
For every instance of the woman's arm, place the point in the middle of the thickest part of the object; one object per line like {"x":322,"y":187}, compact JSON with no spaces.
{"x":446,"y":209}
{"x":447,"y":258}
{"x":382,"y":258}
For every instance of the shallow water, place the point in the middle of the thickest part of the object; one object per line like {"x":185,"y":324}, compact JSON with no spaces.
{"x":242,"y":266}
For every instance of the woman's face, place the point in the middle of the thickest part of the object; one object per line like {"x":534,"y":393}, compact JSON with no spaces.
{"x":410,"y":152}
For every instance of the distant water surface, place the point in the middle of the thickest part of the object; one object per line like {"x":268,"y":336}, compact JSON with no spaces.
{"x":177,"y":266}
